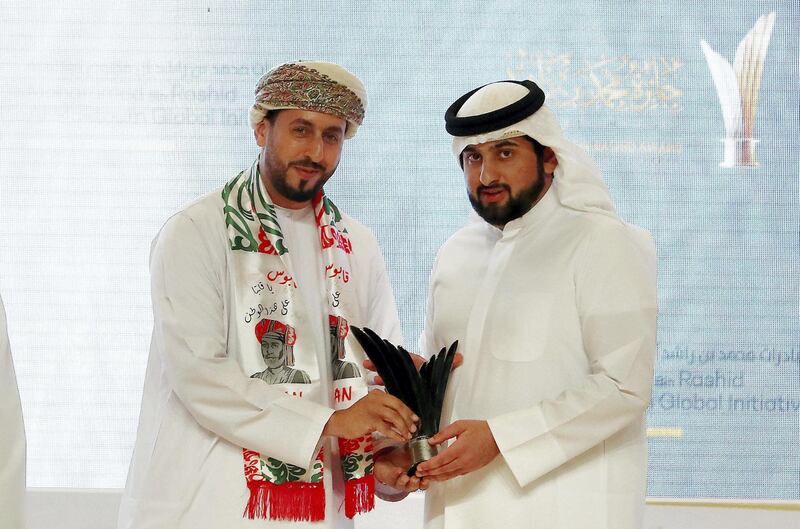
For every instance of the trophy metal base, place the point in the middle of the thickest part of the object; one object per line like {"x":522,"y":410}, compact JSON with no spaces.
{"x":421,"y":451}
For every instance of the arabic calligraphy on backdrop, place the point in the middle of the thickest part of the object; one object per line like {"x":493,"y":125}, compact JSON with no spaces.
{"x":621,"y":83}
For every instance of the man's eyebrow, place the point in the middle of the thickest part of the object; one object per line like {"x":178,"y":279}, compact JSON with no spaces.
{"x":302,"y":121}
{"x":469,"y":149}
{"x":307,"y":123}
{"x":505,"y":143}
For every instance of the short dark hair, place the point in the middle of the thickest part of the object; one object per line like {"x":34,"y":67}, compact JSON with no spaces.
{"x":271,"y":115}
{"x":538,"y":148}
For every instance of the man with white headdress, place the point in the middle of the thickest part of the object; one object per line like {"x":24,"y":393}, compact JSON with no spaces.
{"x":218,"y":444}
{"x":12,"y":438}
{"x":546,"y":416}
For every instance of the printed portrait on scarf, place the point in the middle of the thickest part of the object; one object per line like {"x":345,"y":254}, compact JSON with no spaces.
{"x":277,"y":342}
{"x":338,"y":332}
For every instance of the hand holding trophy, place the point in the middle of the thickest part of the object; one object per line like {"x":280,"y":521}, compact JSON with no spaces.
{"x":422,"y":391}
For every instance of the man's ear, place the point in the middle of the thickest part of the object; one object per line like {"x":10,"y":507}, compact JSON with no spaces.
{"x":261,"y":132}
{"x":549,"y":160}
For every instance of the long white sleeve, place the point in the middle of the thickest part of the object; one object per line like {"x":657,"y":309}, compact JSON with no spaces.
{"x":616,"y":298}
{"x":190,"y":331}
{"x":382,"y":314}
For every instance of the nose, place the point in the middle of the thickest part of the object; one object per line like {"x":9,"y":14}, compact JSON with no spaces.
{"x":316,"y":149}
{"x":487,"y":176}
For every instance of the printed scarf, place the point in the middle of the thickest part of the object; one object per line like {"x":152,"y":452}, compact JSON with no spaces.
{"x":267,"y":303}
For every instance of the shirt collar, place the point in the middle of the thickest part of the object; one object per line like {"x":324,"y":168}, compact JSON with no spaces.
{"x":296,"y":215}
{"x":540,"y":212}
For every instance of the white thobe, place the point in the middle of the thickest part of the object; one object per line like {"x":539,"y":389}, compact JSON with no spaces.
{"x":556,"y":317}
{"x":200,"y":408}
{"x":12,"y":438}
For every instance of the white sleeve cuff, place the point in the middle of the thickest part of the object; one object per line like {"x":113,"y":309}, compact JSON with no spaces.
{"x":527,"y":447}
{"x":302,"y":422}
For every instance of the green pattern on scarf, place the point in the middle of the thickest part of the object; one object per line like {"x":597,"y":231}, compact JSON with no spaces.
{"x":238,"y":214}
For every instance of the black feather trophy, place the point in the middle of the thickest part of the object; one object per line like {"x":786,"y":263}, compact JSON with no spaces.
{"x":422,"y":391}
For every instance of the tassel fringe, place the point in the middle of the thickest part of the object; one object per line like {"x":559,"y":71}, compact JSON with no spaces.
{"x":297,"y":501}
{"x":359,"y":495}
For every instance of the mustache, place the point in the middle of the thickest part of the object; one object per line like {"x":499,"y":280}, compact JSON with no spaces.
{"x":308,"y":164}
{"x":494,"y":187}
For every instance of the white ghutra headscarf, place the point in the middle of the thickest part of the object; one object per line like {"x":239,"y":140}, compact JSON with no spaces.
{"x":484,"y":114}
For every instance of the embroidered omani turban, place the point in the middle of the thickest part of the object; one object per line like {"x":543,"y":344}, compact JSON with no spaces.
{"x":311,"y":85}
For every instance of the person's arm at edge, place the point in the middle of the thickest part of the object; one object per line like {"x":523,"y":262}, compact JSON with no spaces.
{"x":12,"y":437}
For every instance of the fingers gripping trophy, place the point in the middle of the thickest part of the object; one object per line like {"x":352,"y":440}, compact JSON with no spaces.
{"x":422,"y":391}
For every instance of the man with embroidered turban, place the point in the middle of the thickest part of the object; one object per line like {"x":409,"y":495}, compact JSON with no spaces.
{"x":268,"y":255}
{"x":546,"y":415}
{"x":338,"y":332}
{"x":276,"y":350}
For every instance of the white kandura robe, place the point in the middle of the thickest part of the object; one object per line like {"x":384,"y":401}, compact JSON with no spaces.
{"x":12,"y":438}
{"x":556,"y":317}
{"x":200,"y":408}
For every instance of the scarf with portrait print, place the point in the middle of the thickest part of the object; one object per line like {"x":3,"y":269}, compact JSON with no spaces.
{"x":266,"y":299}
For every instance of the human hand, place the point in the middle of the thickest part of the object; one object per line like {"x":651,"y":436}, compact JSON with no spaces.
{"x":391,"y":465}
{"x":376,"y":412}
{"x":458,"y":359}
{"x":474,"y":448}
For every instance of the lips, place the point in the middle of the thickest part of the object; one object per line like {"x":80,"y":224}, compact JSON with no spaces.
{"x":307,"y":172}
{"x":307,"y":168}
{"x":492,"y":194}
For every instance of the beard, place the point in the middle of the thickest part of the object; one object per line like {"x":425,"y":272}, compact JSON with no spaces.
{"x":276,"y":171}
{"x":516,"y":205}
